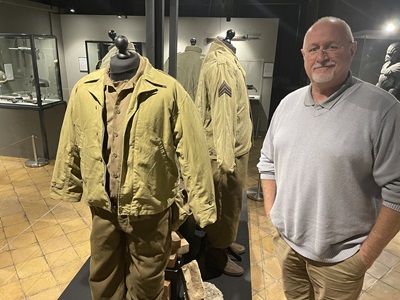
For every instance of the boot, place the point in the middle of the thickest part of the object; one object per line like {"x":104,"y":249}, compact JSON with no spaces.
{"x":217,"y":258}
{"x":232,"y":269}
{"x":237,"y":248}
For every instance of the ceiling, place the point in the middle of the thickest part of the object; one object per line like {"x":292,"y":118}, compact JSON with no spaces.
{"x":204,"y":8}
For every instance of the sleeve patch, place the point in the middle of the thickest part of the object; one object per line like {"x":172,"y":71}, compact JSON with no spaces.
{"x":224,"y":89}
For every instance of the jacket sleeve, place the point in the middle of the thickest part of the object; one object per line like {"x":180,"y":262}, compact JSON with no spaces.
{"x":66,"y":183}
{"x":192,"y":152}
{"x":221,"y":97}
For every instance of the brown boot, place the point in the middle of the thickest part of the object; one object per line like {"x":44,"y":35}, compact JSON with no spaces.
{"x":232,"y":269}
{"x":237,"y":248}
{"x":218,"y":259}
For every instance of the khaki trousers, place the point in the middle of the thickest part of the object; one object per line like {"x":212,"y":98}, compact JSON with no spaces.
{"x":228,"y":197}
{"x":305,"y":279}
{"x":128,"y":255}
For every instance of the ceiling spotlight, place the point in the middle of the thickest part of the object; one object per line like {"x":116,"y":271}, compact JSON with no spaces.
{"x":72,"y":10}
{"x":119,"y":17}
{"x":390,"y":27}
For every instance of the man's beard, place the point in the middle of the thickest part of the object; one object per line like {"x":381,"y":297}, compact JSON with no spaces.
{"x":323,"y":78}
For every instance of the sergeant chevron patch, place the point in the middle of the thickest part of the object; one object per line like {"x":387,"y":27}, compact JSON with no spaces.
{"x":224,"y":89}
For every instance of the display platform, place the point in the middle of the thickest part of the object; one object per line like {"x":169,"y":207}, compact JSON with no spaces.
{"x":233,"y":288}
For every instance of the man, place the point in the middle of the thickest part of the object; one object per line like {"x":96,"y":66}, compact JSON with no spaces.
{"x":330,"y":171}
{"x":123,"y":129}
{"x":224,"y":108}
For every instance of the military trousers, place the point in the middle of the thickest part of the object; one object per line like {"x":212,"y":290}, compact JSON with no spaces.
{"x":228,"y":198}
{"x":128,"y":255}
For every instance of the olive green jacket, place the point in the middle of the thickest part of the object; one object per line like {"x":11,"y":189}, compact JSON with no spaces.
{"x":161,"y":124}
{"x":224,"y":106}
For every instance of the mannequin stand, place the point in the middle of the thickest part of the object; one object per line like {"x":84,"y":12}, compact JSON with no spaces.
{"x":255,"y":193}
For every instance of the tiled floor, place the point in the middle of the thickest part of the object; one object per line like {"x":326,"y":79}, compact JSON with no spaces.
{"x":43,"y":243}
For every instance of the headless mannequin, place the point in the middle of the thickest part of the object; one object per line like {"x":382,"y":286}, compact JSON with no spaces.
{"x":230,"y":34}
{"x":124,"y":64}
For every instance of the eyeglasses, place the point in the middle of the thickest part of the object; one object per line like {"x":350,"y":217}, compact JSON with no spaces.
{"x":328,"y":50}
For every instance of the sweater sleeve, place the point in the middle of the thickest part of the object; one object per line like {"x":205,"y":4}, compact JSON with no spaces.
{"x":386,"y":169}
{"x":266,"y":165}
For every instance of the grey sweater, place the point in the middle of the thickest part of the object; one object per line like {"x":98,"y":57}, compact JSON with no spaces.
{"x":335,"y":164}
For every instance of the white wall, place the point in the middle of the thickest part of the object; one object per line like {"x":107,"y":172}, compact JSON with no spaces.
{"x":76,"y":29}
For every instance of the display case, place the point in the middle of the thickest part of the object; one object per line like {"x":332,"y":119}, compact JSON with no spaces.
{"x":29,"y":70}
{"x":372,"y":54}
{"x":31,"y":103}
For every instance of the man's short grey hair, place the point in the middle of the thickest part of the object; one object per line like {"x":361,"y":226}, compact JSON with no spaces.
{"x":334,"y":19}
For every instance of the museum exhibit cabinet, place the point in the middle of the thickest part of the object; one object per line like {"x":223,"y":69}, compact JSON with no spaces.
{"x":372,"y":46}
{"x":31,"y":102}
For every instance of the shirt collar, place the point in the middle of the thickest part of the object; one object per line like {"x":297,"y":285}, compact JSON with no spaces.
{"x":332,"y":99}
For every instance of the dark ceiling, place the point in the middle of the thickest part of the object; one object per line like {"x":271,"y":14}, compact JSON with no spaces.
{"x":137,"y":7}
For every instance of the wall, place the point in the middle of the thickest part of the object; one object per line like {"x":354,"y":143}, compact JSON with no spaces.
{"x":76,"y":29}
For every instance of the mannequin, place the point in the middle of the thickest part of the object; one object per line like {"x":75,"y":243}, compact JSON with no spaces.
{"x":112,"y":34}
{"x":389,"y":78}
{"x":193,"y":41}
{"x":220,"y":98}
{"x":230,"y":34}
{"x":124,"y":64}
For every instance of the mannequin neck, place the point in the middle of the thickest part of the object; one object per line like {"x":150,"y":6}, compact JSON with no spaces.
{"x":230,"y":46}
{"x":124,"y":68}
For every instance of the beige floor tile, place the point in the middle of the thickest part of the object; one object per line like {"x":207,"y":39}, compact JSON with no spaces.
{"x":392,"y":278}
{"x":62,"y":257}
{"x":257,"y":278}
{"x":366,"y":296}
{"x":73,"y":225}
{"x":5,"y":260}
{"x":378,"y":269}
{"x":83,"y":250}
{"x":38,"y":283}
{"x":17,"y":229}
{"x":10,"y":209}
{"x":275,"y":292}
{"x":67,"y":272}
{"x":383,"y":291}
{"x":32,"y":267}
{"x":44,"y":221}
{"x":48,"y":233}
{"x":8,"y":275}
{"x":28,"y":252}
{"x":14,"y":219}
{"x":53,"y":293}
{"x":11,"y":291}
{"x":25,"y":239}
{"x":79,"y":236}
{"x":55,"y":244}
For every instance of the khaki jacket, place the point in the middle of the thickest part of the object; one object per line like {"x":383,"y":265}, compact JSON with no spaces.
{"x":188,"y":68}
{"x":161,"y":124}
{"x":224,"y":106}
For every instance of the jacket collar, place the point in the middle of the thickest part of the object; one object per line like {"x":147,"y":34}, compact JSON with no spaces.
{"x":150,"y":81}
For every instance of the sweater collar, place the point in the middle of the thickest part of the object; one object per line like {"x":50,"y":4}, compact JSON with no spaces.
{"x":331,"y":100}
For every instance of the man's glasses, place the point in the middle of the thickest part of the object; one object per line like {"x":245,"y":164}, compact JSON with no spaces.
{"x":328,"y":50}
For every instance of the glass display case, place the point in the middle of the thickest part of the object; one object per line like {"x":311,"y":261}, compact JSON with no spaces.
{"x":373,"y":53}
{"x":29,"y":70}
